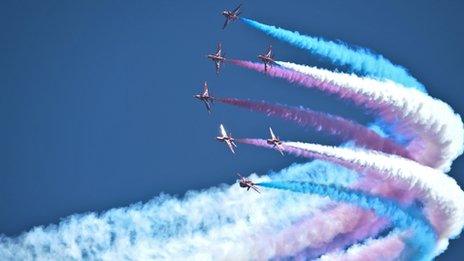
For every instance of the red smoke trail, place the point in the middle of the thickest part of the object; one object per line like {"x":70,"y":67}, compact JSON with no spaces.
{"x":352,"y":225}
{"x":313,"y":83}
{"x":425,"y":148}
{"x":374,"y":185}
{"x":343,"y":129}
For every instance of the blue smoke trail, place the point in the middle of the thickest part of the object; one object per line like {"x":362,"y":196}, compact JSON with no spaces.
{"x":360,"y":60}
{"x":424,"y":239}
{"x":171,"y":228}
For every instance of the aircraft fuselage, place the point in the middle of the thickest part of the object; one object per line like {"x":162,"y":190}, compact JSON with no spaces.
{"x":273,"y":142}
{"x":243,"y":184}
{"x":203,"y":98}
{"x":221,"y":138}
{"x":229,"y":15}
{"x":215,"y":57}
{"x":265,"y":59}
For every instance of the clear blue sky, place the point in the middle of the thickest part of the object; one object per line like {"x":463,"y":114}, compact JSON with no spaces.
{"x":96,"y":106}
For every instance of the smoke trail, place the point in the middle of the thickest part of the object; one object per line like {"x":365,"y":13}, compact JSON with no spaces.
{"x":352,"y":225}
{"x":421,"y":243}
{"x":306,"y":80}
{"x":436,"y":131}
{"x":344,"y":129}
{"x":358,"y":60}
{"x":385,"y":249}
{"x":369,"y":183}
{"x":439,"y":193}
{"x":315,"y":235}
{"x":319,"y":233}
{"x":218,"y":223}
{"x":311,"y":82}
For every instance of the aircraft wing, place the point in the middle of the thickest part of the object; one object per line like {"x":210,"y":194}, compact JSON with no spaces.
{"x":272,"y":134}
{"x":237,"y":8}
{"x":280,"y":149}
{"x":223,"y":130}
{"x":255,"y":188}
{"x":240,"y":176}
{"x":218,"y":66}
{"x":231,"y":147}
{"x":208,"y":106}
{"x":269,"y":52}
{"x":219,"y":50}
{"x":205,"y":90}
{"x":225,"y":23}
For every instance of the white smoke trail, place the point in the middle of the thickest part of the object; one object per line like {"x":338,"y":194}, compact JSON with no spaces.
{"x":440,"y":194}
{"x":438,"y":131}
{"x":371,"y":249}
{"x":335,"y":228}
{"x":218,"y":223}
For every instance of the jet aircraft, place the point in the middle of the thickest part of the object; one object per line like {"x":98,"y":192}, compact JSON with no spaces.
{"x":217,"y":58}
{"x":227,"y":138}
{"x":275,"y":141}
{"x":205,"y":97}
{"x":267,"y":58}
{"x":231,"y":15}
{"x":246,"y":183}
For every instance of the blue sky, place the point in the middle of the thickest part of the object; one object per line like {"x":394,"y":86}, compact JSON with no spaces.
{"x":96,"y":100}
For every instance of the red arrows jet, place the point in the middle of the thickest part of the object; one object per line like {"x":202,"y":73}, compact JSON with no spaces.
{"x":205,"y":97}
{"x":275,"y":141}
{"x":217,"y":58}
{"x":246,"y":183}
{"x":227,"y":138}
{"x":231,"y":15}
{"x":267,"y":58}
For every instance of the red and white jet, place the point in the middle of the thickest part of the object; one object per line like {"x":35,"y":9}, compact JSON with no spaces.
{"x":275,"y":141}
{"x":246,"y":183}
{"x":231,"y":15}
{"x":205,"y":97}
{"x":227,"y":138}
{"x":267,"y":58}
{"x":217,"y":58}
